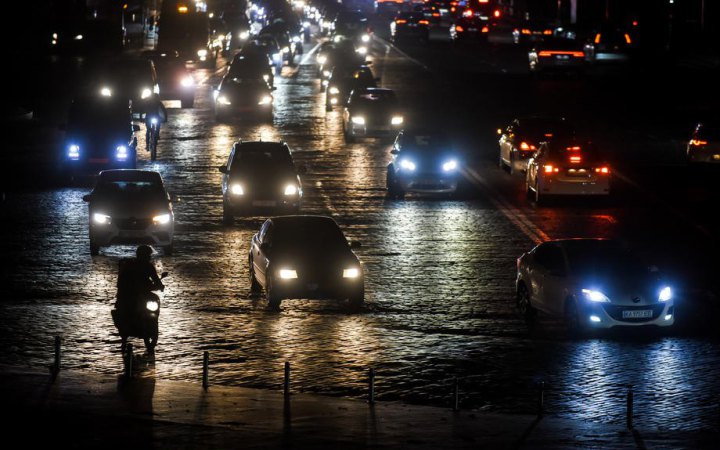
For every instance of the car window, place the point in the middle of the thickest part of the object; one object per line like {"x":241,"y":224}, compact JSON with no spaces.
{"x":260,"y":158}
{"x":551,"y":258}
{"x":130,"y":189}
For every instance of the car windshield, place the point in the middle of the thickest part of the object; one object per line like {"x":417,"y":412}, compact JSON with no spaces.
{"x":603,"y":257}
{"x":129,"y":73}
{"x":99,"y":116}
{"x":130,"y":189}
{"x":422,"y":142}
{"x":565,"y":150}
{"x":309,"y":236}
{"x":369,"y":98}
{"x":259,"y":159}
{"x":247,"y":69}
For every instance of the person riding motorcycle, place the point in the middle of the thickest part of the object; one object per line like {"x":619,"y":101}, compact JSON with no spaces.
{"x":137,"y":279}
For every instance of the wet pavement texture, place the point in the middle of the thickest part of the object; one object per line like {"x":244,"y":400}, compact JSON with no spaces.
{"x":439,"y":275}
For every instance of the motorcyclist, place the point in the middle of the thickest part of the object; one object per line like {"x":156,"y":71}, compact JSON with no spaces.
{"x":137,"y":279}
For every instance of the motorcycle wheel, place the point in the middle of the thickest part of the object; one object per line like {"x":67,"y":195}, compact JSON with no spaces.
{"x":151,"y":339}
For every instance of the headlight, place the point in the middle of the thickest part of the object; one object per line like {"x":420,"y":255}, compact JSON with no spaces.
{"x":266,"y":77}
{"x":101,"y":219}
{"x":450,"y":165}
{"x":162,"y":219}
{"x":121,"y":153}
{"x":156,"y":89}
{"x":333,"y":101}
{"x":106,"y":92}
{"x":595,"y":296}
{"x":154,"y":120}
{"x":326,"y":73}
{"x":291,"y":189}
{"x":202,"y":53}
{"x":365,"y":38}
{"x":286,"y":49}
{"x":244,"y":35}
{"x":222,"y":100}
{"x":296,"y":39}
{"x":74,"y":152}
{"x":333,"y":90}
{"x":237,"y":189}
{"x":407,"y":164}
{"x":152,"y":305}
{"x":266,"y":100}
{"x":358,"y":120}
{"x":287,"y":274}
{"x":322,"y":59}
{"x":361,"y":50}
{"x":78,"y":37}
{"x":665,"y":294}
{"x":353,"y":272}
{"x":187,"y":81}
{"x":145,"y":93}
{"x":396,"y":120}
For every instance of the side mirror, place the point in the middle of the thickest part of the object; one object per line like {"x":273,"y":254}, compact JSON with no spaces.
{"x":135,"y":127}
{"x":87,"y":198}
{"x":394,"y":151}
{"x":355,"y":244}
{"x":223,"y":169}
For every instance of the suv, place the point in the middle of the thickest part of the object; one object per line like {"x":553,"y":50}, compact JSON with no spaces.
{"x":99,"y":135}
{"x":133,"y":79}
{"x":260,"y":175}
{"x":130,"y":207}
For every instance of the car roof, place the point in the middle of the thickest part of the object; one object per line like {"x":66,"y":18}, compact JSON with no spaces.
{"x":261,"y":146}
{"x":130,"y":175}
{"x":290,"y":221}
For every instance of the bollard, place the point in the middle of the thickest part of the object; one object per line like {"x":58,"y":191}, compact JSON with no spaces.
{"x":286,"y":383}
{"x":55,"y":369}
{"x":129,"y":361}
{"x":541,"y":400}
{"x":629,"y":419}
{"x":206,"y":362}
{"x":456,"y":394}
{"x":371,"y":386}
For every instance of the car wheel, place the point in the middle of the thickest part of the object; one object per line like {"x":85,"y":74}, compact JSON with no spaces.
{"x":273,"y":298}
{"x":349,"y":138}
{"x":523,"y":303}
{"x":94,"y":248}
{"x":227,"y":214}
{"x":187,"y":103}
{"x":572,"y":318}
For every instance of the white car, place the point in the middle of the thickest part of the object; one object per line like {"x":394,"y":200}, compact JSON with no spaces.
{"x":129,"y":206}
{"x":567,"y":168}
{"x":592,"y":283}
{"x":704,"y":144}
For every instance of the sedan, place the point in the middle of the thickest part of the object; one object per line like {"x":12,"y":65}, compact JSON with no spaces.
{"x":371,"y":112}
{"x":704,"y":144}
{"x":469,"y":29}
{"x":423,"y":163}
{"x":260,"y":176}
{"x":305,"y":257}
{"x":557,"y":54}
{"x":410,"y":25}
{"x":592,"y":283}
{"x":344,"y":80}
{"x":244,"y":98}
{"x":522,"y":137}
{"x":174,"y":79}
{"x":130,"y":207}
{"x":567,"y":167}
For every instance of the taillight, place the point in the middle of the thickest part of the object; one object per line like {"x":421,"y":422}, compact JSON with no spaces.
{"x":459,"y":29}
{"x":627,"y":38}
{"x":597,"y":38}
{"x":526,"y":146}
{"x":400,"y":21}
{"x":574,"y":148}
{"x":547,"y":32}
{"x":604,"y":170}
{"x":436,"y":14}
{"x":575,"y":159}
{"x":698,"y":142}
{"x":549,"y":168}
{"x":467,"y":13}
{"x":485,"y":29}
{"x":525,"y":31}
{"x":423,"y":22}
{"x":496,"y":13}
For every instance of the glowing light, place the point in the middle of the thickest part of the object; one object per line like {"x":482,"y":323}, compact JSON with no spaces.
{"x":288,"y":274}
{"x":450,"y":165}
{"x":595,"y":319}
{"x":353,"y":272}
{"x":106,"y":92}
{"x":101,"y":219}
{"x":152,"y":305}
{"x":358,"y":120}
{"x":396,"y":120}
{"x":291,"y":189}
{"x":162,"y":219}
{"x":407,"y":165}
{"x":595,"y":296}
{"x":237,"y":189}
{"x":665,"y":294}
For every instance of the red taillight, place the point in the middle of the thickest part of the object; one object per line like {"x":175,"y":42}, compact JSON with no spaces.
{"x":483,"y":1}
{"x":526,"y":146}
{"x":546,"y":53}
{"x":423,"y":22}
{"x":549,"y":168}
{"x":467,"y":13}
{"x":547,"y":32}
{"x":627,"y":38}
{"x":548,"y":135}
{"x":436,"y":14}
{"x":635,"y":23}
{"x":452,"y":9}
{"x":604,"y":170}
{"x":525,"y":31}
{"x":459,"y":29}
{"x":400,"y":21}
{"x":496,"y":13}
{"x":698,"y":142}
{"x":597,"y":38}
{"x":573,"y":148}
{"x":575,"y":159}
{"x":485,"y":29}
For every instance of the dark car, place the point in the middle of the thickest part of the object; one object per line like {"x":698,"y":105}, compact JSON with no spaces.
{"x":305,"y":257}
{"x":409,"y":25}
{"x":469,"y":29}
{"x":260,"y":176}
{"x":343,"y":80}
{"x":704,"y":143}
{"x":252,"y":63}
{"x":557,"y":54}
{"x":133,"y":79}
{"x":531,"y":31}
{"x":424,"y":163}
{"x":269,"y":45}
{"x":243,"y":97}
{"x":372,"y":112}
{"x":612,"y":44}
{"x":522,"y":137}
{"x":175,"y":81}
{"x":342,"y":53}
{"x":352,"y":25}
{"x":99,"y":135}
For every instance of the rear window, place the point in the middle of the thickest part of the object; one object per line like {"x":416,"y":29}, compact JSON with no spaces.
{"x":370,"y":98}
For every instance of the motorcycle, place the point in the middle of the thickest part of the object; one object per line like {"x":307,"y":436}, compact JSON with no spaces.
{"x":142,"y":323}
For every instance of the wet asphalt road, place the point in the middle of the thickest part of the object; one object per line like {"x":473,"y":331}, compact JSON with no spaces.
{"x":439,"y":272}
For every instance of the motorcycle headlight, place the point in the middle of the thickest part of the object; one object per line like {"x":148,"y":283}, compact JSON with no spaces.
{"x":449,"y":165}
{"x":146,"y":93}
{"x":73,"y":152}
{"x":358,"y":120}
{"x":106,"y":92}
{"x":187,"y":81}
{"x":265,"y":100}
{"x":288,"y":274}
{"x":326,"y":73}
{"x":665,"y":294}
{"x":286,"y":49}
{"x":361,"y":50}
{"x":121,"y":153}
{"x":333,"y":90}
{"x":396,"y":120}
{"x":152,"y":305}
{"x":296,"y":39}
{"x":162,"y":219}
{"x":595,"y":296}
{"x":322,"y":59}
{"x":202,"y":53}
{"x":101,"y":219}
{"x":365,"y":38}
{"x":237,"y":189}
{"x":407,"y":165}
{"x":222,"y":100}
{"x":352,"y":272}
{"x":266,"y":77}
{"x":291,"y":189}
{"x":244,"y":35}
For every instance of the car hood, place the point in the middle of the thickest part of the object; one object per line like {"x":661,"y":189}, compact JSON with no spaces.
{"x":382,"y":110}
{"x":264,"y":178}
{"x":139,"y":208}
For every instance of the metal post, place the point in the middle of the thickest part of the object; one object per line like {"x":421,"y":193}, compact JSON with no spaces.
{"x":129,"y":361}
{"x":286,"y":383}
{"x":55,"y":369}
{"x":456,"y":394}
{"x":629,"y":419}
{"x":206,"y":361}
{"x":541,"y":400}
{"x":371,"y":386}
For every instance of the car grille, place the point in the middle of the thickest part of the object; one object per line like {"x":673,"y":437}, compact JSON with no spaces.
{"x":616,"y":311}
{"x":132,"y":223}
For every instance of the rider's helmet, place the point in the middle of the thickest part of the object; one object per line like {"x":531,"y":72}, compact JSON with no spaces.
{"x":144,"y":252}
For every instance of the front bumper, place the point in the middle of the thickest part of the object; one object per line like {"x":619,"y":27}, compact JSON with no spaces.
{"x":234,"y":110}
{"x":123,"y":231}
{"x":373,"y":130}
{"x":609,"y":315}
{"x":320,"y":290}
{"x":428,"y":183}
{"x":243,"y":203}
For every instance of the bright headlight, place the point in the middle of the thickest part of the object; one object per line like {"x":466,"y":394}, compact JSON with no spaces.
{"x":202,"y":53}
{"x":101,"y":219}
{"x":222,"y":100}
{"x":266,"y":100}
{"x":352,"y":272}
{"x":152,"y":305}
{"x":296,"y":39}
{"x":407,"y":164}
{"x":326,"y":73}
{"x":286,"y":49}
{"x":361,"y":50}
{"x":365,"y":38}
{"x":74,"y":152}
{"x":450,"y":165}
{"x":358,"y":120}
{"x":291,"y":189}
{"x":106,"y":92}
{"x":243,"y":35}
{"x":161,"y":219}
{"x":145,"y":93}
{"x":266,"y":77}
{"x":333,"y":90}
{"x":237,"y":189}
{"x":396,"y":120}
{"x":78,"y":37}
{"x":287,"y":274}
{"x":121,"y":152}
{"x":595,"y":296}
{"x":665,"y":294}
{"x":322,"y":59}
{"x":187,"y":81}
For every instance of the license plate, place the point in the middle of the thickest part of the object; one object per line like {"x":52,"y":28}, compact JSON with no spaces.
{"x":472,"y":29}
{"x":637,"y":314}
{"x":716,"y":157}
{"x":131,"y":233}
{"x":264,"y":203}
{"x":562,"y":57}
{"x":98,"y":160}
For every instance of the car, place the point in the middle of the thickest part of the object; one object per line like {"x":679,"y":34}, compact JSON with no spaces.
{"x":99,"y":134}
{"x":469,"y":29}
{"x":423,"y":162}
{"x":130,"y":207}
{"x":249,"y":97}
{"x":344,"y":80}
{"x":353,"y":25}
{"x":567,"y":167}
{"x":611,"y":43}
{"x":323,"y":52}
{"x":592,"y":284}
{"x":704,"y":144}
{"x":131,"y":78}
{"x":252,"y":64}
{"x":270,"y":47}
{"x":260,"y":176}
{"x":388,"y":7}
{"x":531,"y":31}
{"x":343,"y":53}
{"x":305,"y":257}
{"x":557,"y":54}
{"x":409,"y":25}
{"x":372,"y":112}
{"x":522,"y":137}
{"x":290,"y":44}
{"x":175,"y":81}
